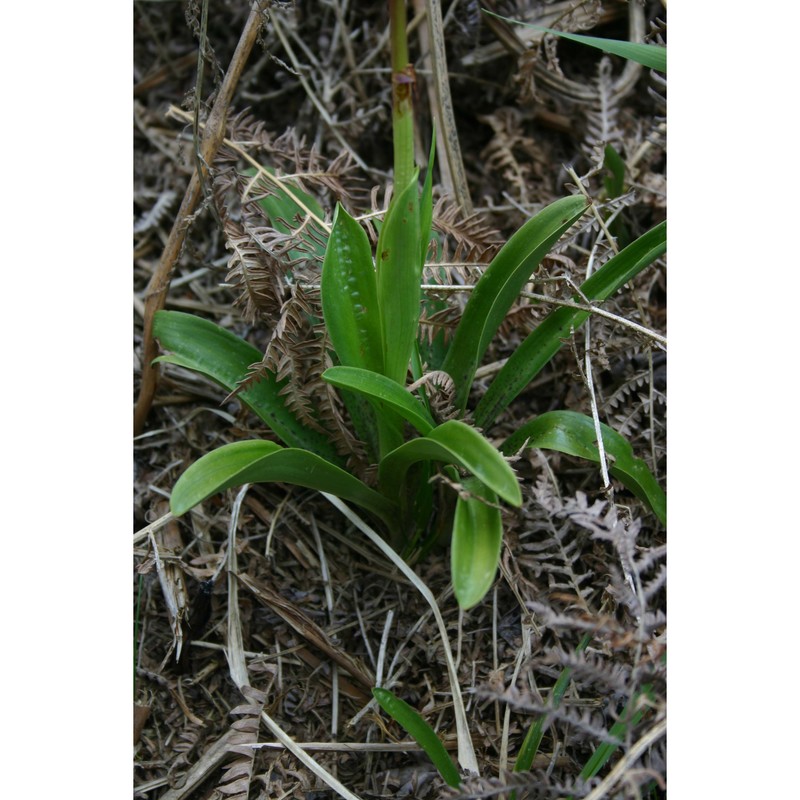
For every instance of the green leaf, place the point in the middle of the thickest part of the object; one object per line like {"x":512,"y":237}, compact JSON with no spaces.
{"x":500,"y":286}
{"x":574,"y":434}
{"x":282,"y":205}
{"x":422,"y":733}
{"x":204,"y":347}
{"x":631,"y":715}
{"x":476,"y":544}
{"x":653,"y":56}
{"x":556,"y":328}
{"x":426,"y":203}
{"x":533,"y":738}
{"x":349,"y":295}
{"x":260,"y":461}
{"x":399,"y":272}
{"x":384,"y":391}
{"x":453,"y":442}
{"x":615,"y":181}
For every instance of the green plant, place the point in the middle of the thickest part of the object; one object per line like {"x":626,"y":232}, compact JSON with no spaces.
{"x":371,"y":312}
{"x":653,"y":56}
{"x":533,"y":738}
{"x":632,"y":714}
{"x":423,"y":734}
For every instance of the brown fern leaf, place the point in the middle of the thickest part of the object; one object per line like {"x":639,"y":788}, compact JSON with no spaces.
{"x":328,"y":405}
{"x":238,"y":775}
{"x":290,"y":158}
{"x":298,"y":353}
{"x":500,"y":156}
{"x":440,"y":391}
{"x":601,"y":119}
{"x":253,"y":269}
{"x":271,"y":268}
{"x":155,"y":214}
{"x":434,"y":321}
{"x":632,"y":405}
{"x":473,"y":238}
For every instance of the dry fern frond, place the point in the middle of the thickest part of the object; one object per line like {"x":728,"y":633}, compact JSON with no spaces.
{"x":153,"y":216}
{"x":587,"y":724}
{"x":634,"y":565}
{"x":270,"y":268}
{"x":637,"y":399}
{"x":288,"y":155}
{"x":602,"y":127}
{"x":557,"y":559}
{"x":440,"y":391}
{"x":253,"y":270}
{"x":474,"y":239}
{"x":297,"y":353}
{"x":238,"y":775}
{"x":512,"y":153}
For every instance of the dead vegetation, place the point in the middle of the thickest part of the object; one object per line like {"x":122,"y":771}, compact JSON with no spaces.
{"x":266,"y":608}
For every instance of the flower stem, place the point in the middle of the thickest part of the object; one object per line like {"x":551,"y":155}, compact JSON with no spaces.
{"x":403,"y":82}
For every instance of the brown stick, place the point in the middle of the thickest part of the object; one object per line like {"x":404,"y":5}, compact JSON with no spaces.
{"x":213,"y":133}
{"x":451,"y":163}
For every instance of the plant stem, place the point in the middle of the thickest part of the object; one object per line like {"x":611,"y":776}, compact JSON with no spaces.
{"x":403,"y":82}
{"x":136,"y":632}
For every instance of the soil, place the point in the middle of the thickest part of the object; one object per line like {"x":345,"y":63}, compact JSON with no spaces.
{"x":322,"y":613}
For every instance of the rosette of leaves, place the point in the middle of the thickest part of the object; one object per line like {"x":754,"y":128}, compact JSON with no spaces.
{"x":371,"y":310}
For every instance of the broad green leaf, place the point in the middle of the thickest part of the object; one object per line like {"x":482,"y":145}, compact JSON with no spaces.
{"x":259,"y":461}
{"x":365,"y":423}
{"x":417,"y":506}
{"x":351,"y":312}
{"x":422,"y":733}
{"x":653,"y":56}
{"x":399,"y":272}
{"x":476,"y":544}
{"x":349,"y":295}
{"x":556,"y":328}
{"x":383,"y":391}
{"x":574,"y":434}
{"x":500,"y":286}
{"x":204,"y":347}
{"x":453,"y":442}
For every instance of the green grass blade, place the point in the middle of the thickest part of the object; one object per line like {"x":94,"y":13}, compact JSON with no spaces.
{"x":422,"y":733}
{"x":384,"y":391}
{"x":220,"y":355}
{"x":574,"y":434}
{"x":631,"y":715}
{"x":615,"y":180}
{"x":541,"y":345}
{"x":533,"y":738}
{"x":349,"y":295}
{"x":399,"y":275}
{"x":500,"y":286}
{"x":260,"y":461}
{"x":653,"y":56}
{"x":426,"y":204}
{"x":476,"y":543}
{"x":453,"y":442}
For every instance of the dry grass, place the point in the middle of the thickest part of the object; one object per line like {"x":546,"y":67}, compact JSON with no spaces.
{"x":285,"y":612}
